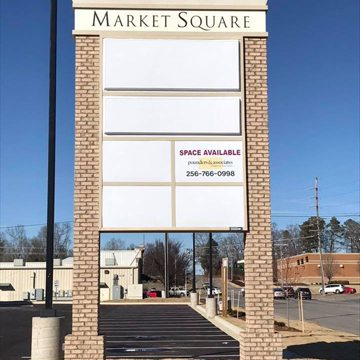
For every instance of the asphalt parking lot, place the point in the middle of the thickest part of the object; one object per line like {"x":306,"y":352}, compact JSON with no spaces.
{"x":163,"y":331}
{"x":132,"y":331}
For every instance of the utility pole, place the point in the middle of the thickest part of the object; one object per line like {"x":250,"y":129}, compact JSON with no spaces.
{"x":281,"y":259}
{"x":318,"y":234}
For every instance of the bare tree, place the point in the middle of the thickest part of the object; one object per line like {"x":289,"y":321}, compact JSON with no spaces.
{"x":114,"y":244}
{"x":17,"y":243}
{"x":330,"y":268}
{"x":179,"y":261}
{"x":62,"y":243}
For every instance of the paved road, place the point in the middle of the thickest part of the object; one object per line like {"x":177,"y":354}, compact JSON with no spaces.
{"x":163,"y":331}
{"x":337,"y":312}
{"x":132,"y":331}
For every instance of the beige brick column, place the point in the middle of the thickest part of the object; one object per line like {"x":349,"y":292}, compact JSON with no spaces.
{"x":259,"y":341}
{"x":84,"y":341}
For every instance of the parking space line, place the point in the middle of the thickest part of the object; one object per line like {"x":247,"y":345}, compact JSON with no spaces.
{"x":167,"y":356}
{"x":175,"y":347}
{"x":160,"y":340}
{"x":126,"y":336}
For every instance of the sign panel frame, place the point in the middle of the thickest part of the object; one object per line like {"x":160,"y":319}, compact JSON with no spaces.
{"x":176,"y":138}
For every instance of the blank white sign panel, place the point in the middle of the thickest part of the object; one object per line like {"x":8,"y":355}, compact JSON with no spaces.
{"x":208,"y":161}
{"x":209,"y":206}
{"x":186,"y":115}
{"x":136,"y":161}
{"x":136,"y":206}
{"x":171,"y":64}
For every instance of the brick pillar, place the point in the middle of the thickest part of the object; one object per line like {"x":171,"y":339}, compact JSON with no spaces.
{"x":259,"y":341}
{"x":84,"y":341}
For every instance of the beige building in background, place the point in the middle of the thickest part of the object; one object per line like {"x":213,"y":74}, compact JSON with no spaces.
{"x":305,"y":268}
{"x":19,"y":277}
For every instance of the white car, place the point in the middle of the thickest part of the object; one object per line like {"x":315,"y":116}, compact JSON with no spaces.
{"x":279,"y":293}
{"x":333,"y":289}
{"x":215,"y":291}
{"x":176,"y":291}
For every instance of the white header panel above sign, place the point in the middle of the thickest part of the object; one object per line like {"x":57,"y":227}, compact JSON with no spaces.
{"x":170,"y":21}
{"x":147,"y":64}
{"x":171,"y":115}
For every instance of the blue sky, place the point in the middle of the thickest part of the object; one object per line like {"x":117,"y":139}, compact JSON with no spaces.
{"x":313,"y":69}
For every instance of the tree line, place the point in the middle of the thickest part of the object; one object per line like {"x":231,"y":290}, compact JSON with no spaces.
{"x":16,"y":244}
{"x":303,"y":238}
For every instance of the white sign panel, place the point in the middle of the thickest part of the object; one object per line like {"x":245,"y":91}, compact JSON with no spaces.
{"x":171,"y":115}
{"x":135,"y":64}
{"x":210,"y":206}
{"x":136,"y":206}
{"x":208,"y":161}
{"x":136,"y":161}
{"x":170,"y":21}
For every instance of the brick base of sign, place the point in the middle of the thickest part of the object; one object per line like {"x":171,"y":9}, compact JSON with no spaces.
{"x":84,"y":347}
{"x":256,"y":346}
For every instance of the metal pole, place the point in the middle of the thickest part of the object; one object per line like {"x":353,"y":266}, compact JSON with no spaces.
{"x":282,"y":266}
{"x":193,"y":267}
{"x":51,"y":161}
{"x":166,"y":265}
{"x":210,"y":266}
{"x":319,"y":237}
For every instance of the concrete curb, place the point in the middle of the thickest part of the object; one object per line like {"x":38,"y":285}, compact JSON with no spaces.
{"x":225,"y":326}
{"x":144,"y":303}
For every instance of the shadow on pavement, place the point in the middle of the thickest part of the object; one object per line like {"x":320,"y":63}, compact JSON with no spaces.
{"x":348,"y":350}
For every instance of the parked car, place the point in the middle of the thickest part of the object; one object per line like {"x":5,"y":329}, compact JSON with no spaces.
{"x":153,"y":293}
{"x":279,"y":293}
{"x":306,"y":293}
{"x":215,"y":290}
{"x":289,"y":291}
{"x":176,"y":291}
{"x":333,"y":288}
{"x":206,"y":285}
{"x":349,"y":290}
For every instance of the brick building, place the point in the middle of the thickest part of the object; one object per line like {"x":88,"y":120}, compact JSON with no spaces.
{"x":305,"y":268}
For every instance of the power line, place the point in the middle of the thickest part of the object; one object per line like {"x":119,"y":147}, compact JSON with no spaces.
{"x":353,"y":203}
{"x":336,"y":186}
{"x":30,"y":225}
{"x":350,"y":192}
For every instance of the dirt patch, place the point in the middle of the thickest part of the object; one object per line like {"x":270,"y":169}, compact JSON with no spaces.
{"x":278,"y":325}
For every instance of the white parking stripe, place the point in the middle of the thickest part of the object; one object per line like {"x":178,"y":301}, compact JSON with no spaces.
{"x":167,"y":356}
{"x":126,"y":336}
{"x":174,"y":347}
{"x":160,"y":340}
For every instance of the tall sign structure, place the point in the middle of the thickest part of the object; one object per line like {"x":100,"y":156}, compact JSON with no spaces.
{"x":171,"y":134}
